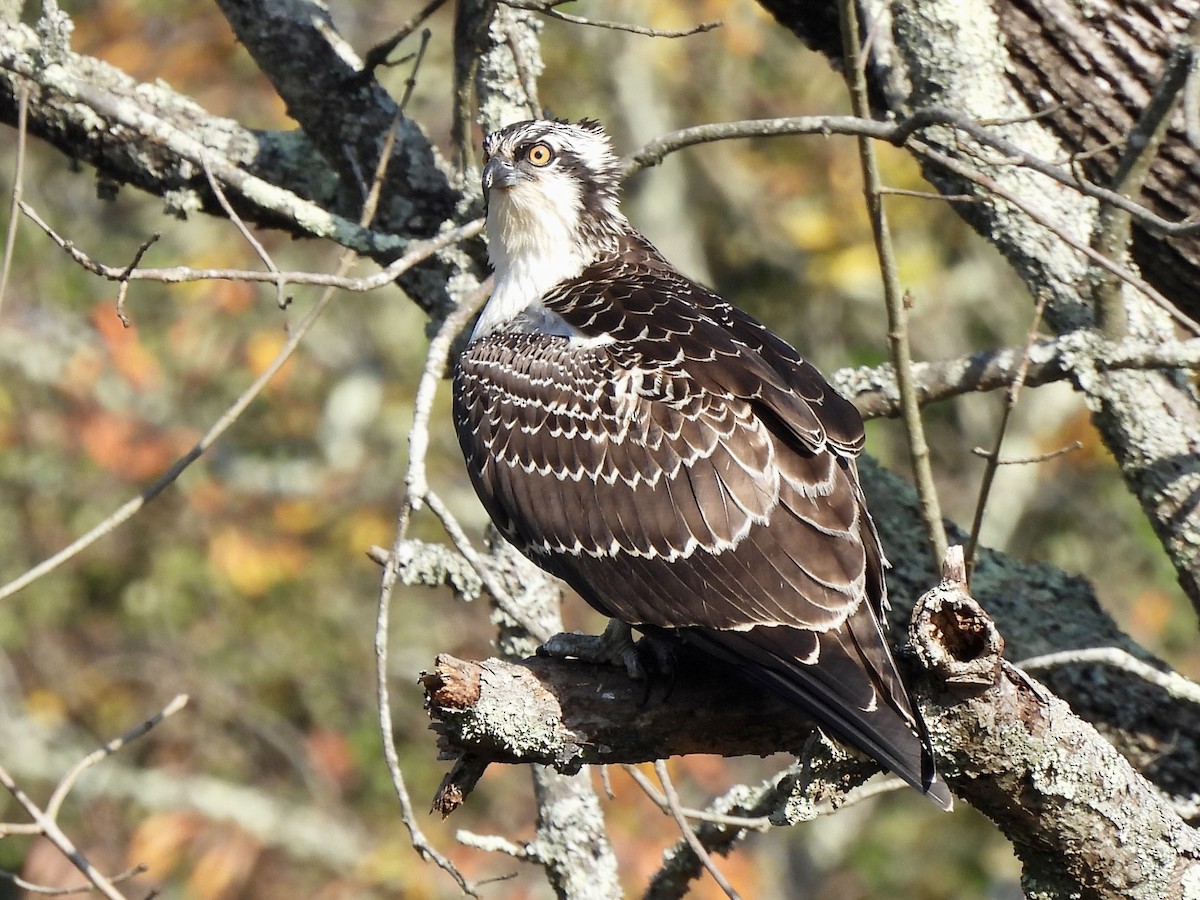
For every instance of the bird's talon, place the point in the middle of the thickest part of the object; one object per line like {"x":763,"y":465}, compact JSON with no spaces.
{"x":615,"y":647}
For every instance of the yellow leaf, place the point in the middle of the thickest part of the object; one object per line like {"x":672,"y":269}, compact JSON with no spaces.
{"x":254,"y":565}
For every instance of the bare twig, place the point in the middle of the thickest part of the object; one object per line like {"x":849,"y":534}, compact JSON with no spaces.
{"x":660,"y":769}
{"x":178,"y":702}
{"x":655,"y":151}
{"x":630,"y":27}
{"x":1172,"y":682}
{"x":547,"y":8}
{"x":1112,"y":234}
{"x":378,"y":55}
{"x":53,"y":833}
{"x":43,"y":891}
{"x":420,"y":843}
{"x":410,"y":83}
{"x":182,"y":274}
{"x":1027,"y":460}
{"x":900,"y":133}
{"x":992,"y":464}
{"x":45,"y":821}
{"x":257,"y":246}
{"x":894,"y":297}
{"x":417,"y":838}
{"x":10,"y":237}
{"x":123,"y":281}
{"x":760,"y":823}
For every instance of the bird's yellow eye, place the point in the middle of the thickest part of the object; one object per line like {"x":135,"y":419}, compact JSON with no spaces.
{"x":540,"y":154}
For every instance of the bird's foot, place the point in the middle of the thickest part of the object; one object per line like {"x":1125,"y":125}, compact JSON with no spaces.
{"x":615,"y":647}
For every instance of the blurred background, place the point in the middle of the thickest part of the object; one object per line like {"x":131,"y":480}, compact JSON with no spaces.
{"x":246,"y":584}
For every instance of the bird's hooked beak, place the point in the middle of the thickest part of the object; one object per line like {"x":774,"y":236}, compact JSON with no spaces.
{"x":499,"y":172}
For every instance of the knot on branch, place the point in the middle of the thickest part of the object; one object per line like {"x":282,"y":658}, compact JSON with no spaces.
{"x":952,"y":635}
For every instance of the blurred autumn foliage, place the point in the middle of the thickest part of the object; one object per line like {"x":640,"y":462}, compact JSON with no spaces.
{"x":246,"y":586}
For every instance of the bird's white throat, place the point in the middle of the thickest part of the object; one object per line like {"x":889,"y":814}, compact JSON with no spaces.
{"x":534,"y":243}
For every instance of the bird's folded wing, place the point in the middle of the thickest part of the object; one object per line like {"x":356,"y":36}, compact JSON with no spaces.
{"x":715,"y":520}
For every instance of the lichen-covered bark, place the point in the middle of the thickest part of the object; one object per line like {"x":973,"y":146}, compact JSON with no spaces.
{"x":569,"y":714}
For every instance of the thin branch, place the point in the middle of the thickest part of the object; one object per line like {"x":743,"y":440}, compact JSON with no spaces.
{"x":178,"y":702}
{"x":1027,"y":460}
{"x":1173,"y":683}
{"x":184,"y":274}
{"x":1111,"y":235}
{"x":660,"y":769}
{"x":377,"y":55}
{"x":43,"y":891}
{"x":420,"y":843}
{"x":547,"y":8}
{"x":49,"y":828}
{"x":410,"y":83}
{"x":760,"y":823}
{"x":899,"y":134}
{"x":894,"y":297}
{"x":630,"y":27}
{"x":10,"y":238}
{"x":45,"y":821}
{"x":993,"y":459}
{"x":495,"y":843}
{"x":255,"y":244}
{"x":123,"y":282}
{"x":654,"y":152}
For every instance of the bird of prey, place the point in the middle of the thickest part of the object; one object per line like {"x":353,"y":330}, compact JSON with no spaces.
{"x":673,"y":461}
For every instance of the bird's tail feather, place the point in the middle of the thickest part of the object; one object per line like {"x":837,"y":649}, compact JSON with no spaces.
{"x":872,"y":714}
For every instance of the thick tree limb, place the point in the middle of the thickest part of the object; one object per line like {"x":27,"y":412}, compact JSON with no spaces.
{"x":1078,"y":815}
{"x":568,"y":714}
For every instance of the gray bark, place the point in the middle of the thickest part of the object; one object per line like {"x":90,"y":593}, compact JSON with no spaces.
{"x":1080,"y":817}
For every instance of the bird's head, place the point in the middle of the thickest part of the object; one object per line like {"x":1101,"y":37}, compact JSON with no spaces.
{"x":551,"y":189}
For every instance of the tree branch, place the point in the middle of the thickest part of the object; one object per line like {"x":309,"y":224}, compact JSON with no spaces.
{"x":1079,"y":817}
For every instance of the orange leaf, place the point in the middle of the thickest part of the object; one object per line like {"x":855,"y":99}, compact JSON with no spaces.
{"x":132,"y":360}
{"x":128,"y":447}
{"x":161,"y":840}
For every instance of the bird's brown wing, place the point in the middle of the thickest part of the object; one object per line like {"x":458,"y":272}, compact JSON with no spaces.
{"x":686,"y":471}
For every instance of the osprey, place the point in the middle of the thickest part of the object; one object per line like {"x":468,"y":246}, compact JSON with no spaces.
{"x":668,"y":457}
